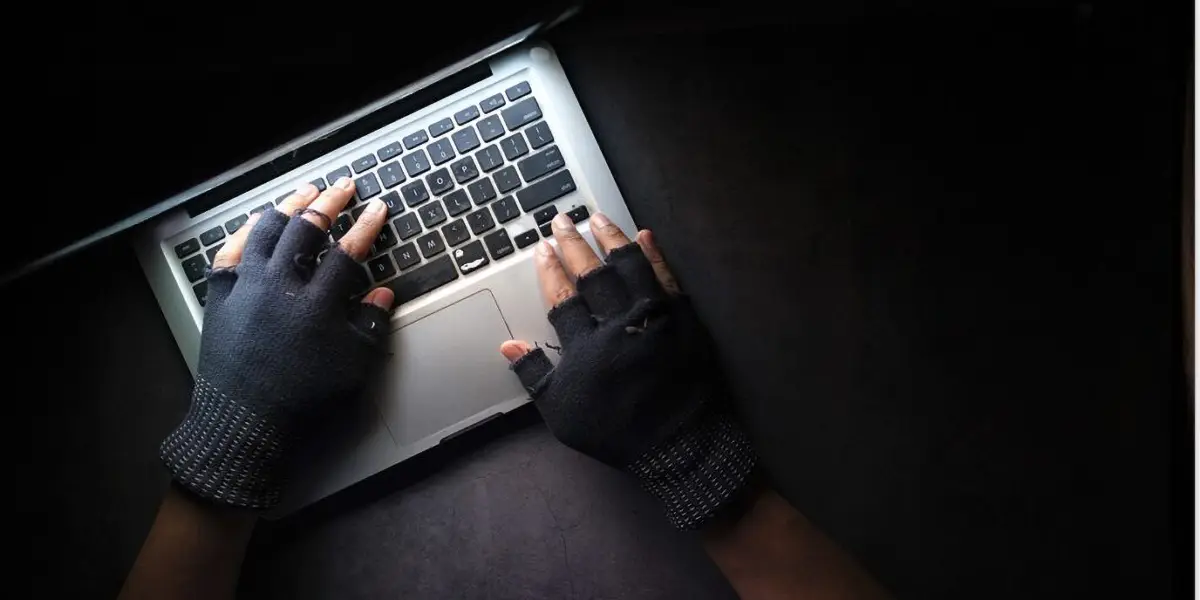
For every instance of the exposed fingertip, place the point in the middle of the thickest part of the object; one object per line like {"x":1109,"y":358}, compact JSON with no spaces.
{"x":513,"y":350}
{"x":382,"y":297}
{"x":307,"y":191}
{"x":544,"y":249}
{"x":345,"y":183}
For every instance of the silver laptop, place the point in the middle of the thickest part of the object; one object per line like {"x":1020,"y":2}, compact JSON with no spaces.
{"x":471,"y":179}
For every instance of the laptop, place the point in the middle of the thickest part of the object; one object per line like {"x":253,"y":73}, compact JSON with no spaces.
{"x":473,"y":161}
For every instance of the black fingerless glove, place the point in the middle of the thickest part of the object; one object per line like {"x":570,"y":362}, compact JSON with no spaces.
{"x":283,"y":339}
{"x":639,"y":387}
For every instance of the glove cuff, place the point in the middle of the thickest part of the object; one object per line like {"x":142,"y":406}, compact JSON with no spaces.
{"x":699,"y":471}
{"x":224,"y":452}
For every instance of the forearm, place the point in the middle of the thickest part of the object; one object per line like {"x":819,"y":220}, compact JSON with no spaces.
{"x":194,"y":550}
{"x":771,"y":551}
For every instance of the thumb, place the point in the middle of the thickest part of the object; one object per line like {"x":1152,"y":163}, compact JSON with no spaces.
{"x":513,"y":350}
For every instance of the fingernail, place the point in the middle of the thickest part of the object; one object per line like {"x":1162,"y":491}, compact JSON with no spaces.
{"x":307,"y":190}
{"x":562,"y":221}
{"x":375,"y":206}
{"x":544,"y":248}
{"x":345,"y":183}
{"x":599,"y":220}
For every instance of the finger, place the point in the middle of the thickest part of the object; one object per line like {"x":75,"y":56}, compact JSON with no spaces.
{"x":645,"y":239}
{"x":577,"y":254}
{"x":300,"y":199}
{"x":513,"y":350}
{"x":358,"y":240}
{"x":534,"y":369}
{"x":608,"y":235}
{"x":556,"y":286}
{"x":330,"y":203}
{"x":231,"y":253}
{"x":381,"y":297}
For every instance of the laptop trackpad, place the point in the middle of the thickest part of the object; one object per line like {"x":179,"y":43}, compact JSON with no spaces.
{"x":447,"y":367}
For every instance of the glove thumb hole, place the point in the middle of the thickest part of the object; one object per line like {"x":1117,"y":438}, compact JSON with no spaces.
{"x":532,"y":367}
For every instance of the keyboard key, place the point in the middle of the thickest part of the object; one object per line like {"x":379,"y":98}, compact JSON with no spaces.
{"x":363,"y":163}
{"x":381,"y":268}
{"x":546,"y":190}
{"x":457,"y":202}
{"x":416,"y":163}
{"x":526,"y":238}
{"x":390,"y":151}
{"x":441,"y":151}
{"x":465,"y":140}
{"x":432,"y":214}
{"x":211,"y":253}
{"x":367,"y":186}
{"x":418,"y":282}
{"x":506,"y":209}
{"x":489,"y":158}
{"x":514,"y":146}
{"x":482,"y":191}
{"x":456,"y":232}
{"x":201,"y":290}
{"x":480,"y":221}
{"x":189,"y":247}
{"x":578,"y":214}
{"x":521,"y":114}
{"x":441,"y":127}
{"x":341,"y":226}
{"x":236,"y":223}
{"x":430,"y":244}
{"x":262,"y":208}
{"x":541,"y":163}
{"x":539,"y":134}
{"x":498,"y":244}
{"x":517,"y":91}
{"x":490,"y":128}
{"x":466,"y":115}
{"x":207,"y":238}
{"x":406,"y":256}
{"x":391,"y":174}
{"x":280,"y":199}
{"x":415,"y":139}
{"x":407,"y":226}
{"x":394,"y":203}
{"x":333,"y":176}
{"x":386,"y":239}
{"x":492,"y":103}
{"x":414,"y":193}
{"x":464,"y":169}
{"x":543,"y":215}
{"x":358,"y":211}
{"x":546,"y":231}
{"x":194,"y":267}
{"x":507,"y":179}
{"x":471,"y":257}
{"x":439,"y":181}
{"x":319,"y":183}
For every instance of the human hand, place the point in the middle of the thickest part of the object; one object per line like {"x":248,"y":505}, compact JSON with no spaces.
{"x":638,"y":386}
{"x":283,"y":340}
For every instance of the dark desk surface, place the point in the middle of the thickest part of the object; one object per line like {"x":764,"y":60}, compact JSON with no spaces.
{"x":942,"y":264}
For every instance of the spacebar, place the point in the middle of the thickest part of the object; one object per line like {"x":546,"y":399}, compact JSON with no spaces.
{"x":418,"y":282}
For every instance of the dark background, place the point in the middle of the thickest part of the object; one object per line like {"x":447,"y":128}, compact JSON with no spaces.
{"x":939,"y":246}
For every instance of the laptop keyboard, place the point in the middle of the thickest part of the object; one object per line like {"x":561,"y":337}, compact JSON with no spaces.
{"x":448,"y":189}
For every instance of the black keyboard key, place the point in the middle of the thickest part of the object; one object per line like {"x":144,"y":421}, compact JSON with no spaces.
{"x":546,"y":230}
{"x":489,"y":158}
{"x":465,"y":140}
{"x":341,"y":226}
{"x":539,"y":135}
{"x":430,"y":244}
{"x":471,"y":257}
{"x":517,"y":91}
{"x":439,"y":181}
{"x":414,"y":193}
{"x":490,"y":128}
{"x":441,"y":127}
{"x":514,"y":146}
{"x":551,"y":188}
{"x":416,"y":163}
{"x":319,"y":183}
{"x":456,"y":232}
{"x":543,"y":215}
{"x":527,"y":238}
{"x":492,"y":103}
{"x":541,"y":163}
{"x":407,"y":226}
{"x":415,"y":139}
{"x":386,"y":239}
{"x":507,"y":179}
{"x":280,"y":199}
{"x":498,"y":244}
{"x":482,"y":191}
{"x":464,"y":169}
{"x":391,"y":174}
{"x":262,"y":208}
{"x":466,"y":115}
{"x":358,"y":211}
{"x":480,"y":221}
{"x":390,"y":151}
{"x":457,"y":202}
{"x":441,"y":151}
{"x":418,"y":282}
{"x":236,"y":223}
{"x":381,"y":268}
{"x":521,"y":114}
{"x":201,"y":290}
{"x":191,"y":246}
{"x":211,"y":253}
{"x":432,"y":214}
{"x":334,"y":176}
{"x":194,"y":267}
{"x":207,"y":238}
{"x":506,"y":209}
{"x":406,"y":256}
{"x":367,"y":186}
{"x":394,"y":204}
{"x":578,"y":214}
{"x":364,"y":163}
